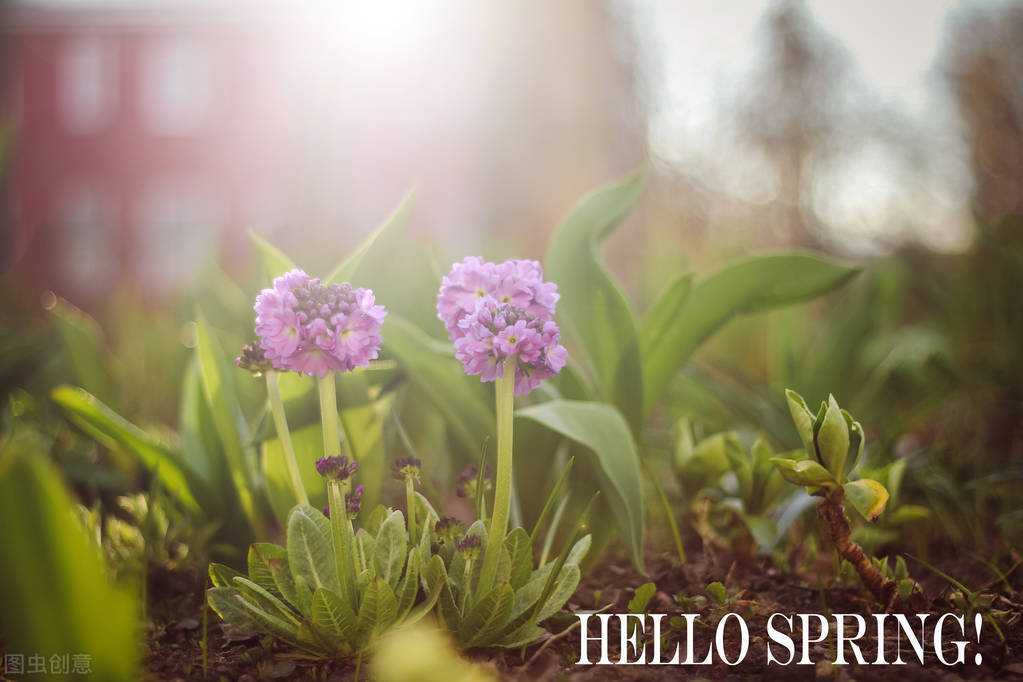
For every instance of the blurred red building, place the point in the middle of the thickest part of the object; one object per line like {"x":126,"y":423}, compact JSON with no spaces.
{"x":144,"y":141}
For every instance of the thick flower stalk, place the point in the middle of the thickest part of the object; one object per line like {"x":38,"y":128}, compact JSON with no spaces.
{"x":338,"y":472}
{"x":316,"y":329}
{"x":500,"y":318}
{"x":407,"y":469}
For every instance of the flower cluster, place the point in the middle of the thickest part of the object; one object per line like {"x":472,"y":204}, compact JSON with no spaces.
{"x":406,"y":468}
{"x":493,"y":312}
{"x":253,"y":359}
{"x":469,"y":546}
{"x":309,"y":327}
{"x":449,"y":529}
{"x":467,"y":481}
{"x":336,"y":468}
{"x":352,"y":501}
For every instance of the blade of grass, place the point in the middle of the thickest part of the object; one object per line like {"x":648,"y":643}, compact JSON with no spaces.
{"x":669,"y":513}
{"x":550,"y":500}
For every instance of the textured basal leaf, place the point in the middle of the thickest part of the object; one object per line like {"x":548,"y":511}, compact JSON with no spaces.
{"x":527,"y":595}
{"x":224,"y":600}
{"x":437,"y":580}
{"x":378,"y":611}
{"x":448,"y":610}
{"x":222,"y":576}
{"x":520,"y":637}
{"x":579,"y":550}
{"x":259,"y":595}
{"x":807,"y":472}
{"x":594,"y":315}
{"x":521,"y":553}
{"x":869,"y":497}
{"x":303,"y":594}
{"x":391,"y":547}
{"x":564,"y":587}
{"x":409,"y":587}
{"x":366,"y":546}
{"x":332,"y":614}
{"x":487,"y":616}
{"x":602,"y":430}
{"x":115,"y":432}
{"x":752,"y":285}
{"x":260,"y":554}
{"x":284,"y":581}
{"x":271,"y":623}
{"x":310,"y":553}
{"x":503,"y":567}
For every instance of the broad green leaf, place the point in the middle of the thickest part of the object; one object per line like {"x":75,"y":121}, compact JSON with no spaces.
{"x":521,"y":553}
{"x":110,"y":429}
{"x":268,"y":621}
{"x":564,"y":588}
{"x":752,"y":285}
{"x":663,"y":316}
{"x":285,"y":584}
{"x":331,"y":613}
{"x":595,"y":317}
{"x":644,"y":593}
{"x":222,"y":576}
{"x":391,"y":548}
{"x":218,"y":387}
{"x":832,"y":440}
{"x":310,"y":552}
{"x":409,"y":586}
{"x":856,"y":441}
{"x":377,"y":612}
{"x":57,"y":596}
{"x":717,"y":592}
{"x":260,"y":555}
{"x":436,"y":580}
{"x":275,"y":263}
{"x":84,"y":348}
{"x":388,"y":231}
{"x":869,"y":497}
{"x":257,"y":594}
{"x":226,"y":601}
{"x":432,"y":366}
{"x":487,"y":616}
{"x":603,"y":431}
{"x":806,"y":472}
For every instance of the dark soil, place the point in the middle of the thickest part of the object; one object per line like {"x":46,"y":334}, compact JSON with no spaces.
{"x":174,"y":649}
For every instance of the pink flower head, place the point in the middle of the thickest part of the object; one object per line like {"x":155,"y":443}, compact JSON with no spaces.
{"x":495,"y":331}
{"x":308,"y":327}
{"x":516,"y":282}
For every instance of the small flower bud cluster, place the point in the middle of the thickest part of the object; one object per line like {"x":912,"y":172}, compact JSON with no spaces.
{"x":406,"y":468}
{"x":467,"y":481}
{"x":313,"y":328}
{"x":254,"y":359}
{"x":338,"y":468}
{"x":449,"y":529}
{"x":469,"y":546}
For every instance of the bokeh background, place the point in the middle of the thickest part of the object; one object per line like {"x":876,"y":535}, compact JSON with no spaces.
{"x":143,"y":141}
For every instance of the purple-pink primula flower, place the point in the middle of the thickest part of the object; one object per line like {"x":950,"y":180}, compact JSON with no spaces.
{"x":518,"y":282}
{"x":309,"y":327}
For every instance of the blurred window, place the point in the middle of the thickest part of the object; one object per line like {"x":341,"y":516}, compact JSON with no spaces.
{"x":88,"y":83}
{"x":180,"y":225}
{"x":86,"y":223}
{"x":177,"y":86}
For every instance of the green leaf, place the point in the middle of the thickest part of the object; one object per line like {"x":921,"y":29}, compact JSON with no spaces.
{"x":436,"y":579}
{"x":432,"y":366}
{"x":594,"y":315}
{"x":487,"y":616}
{"x":718,"y":592}
{"x":639,"y":601}
{"x":869,"y":497}
{"x":260,"y":555}
{"x":218,"y":387}
{"x":661,"y":318}
{"x":564,"y":588}
{"x":391,"y":548}
{"x":832,"y":440}
{"x":257,"y":594}
{"x":752,"y":285}
{"x":390,"y":230}
{"x":803,"y":418}
{"x":226,"y":601}
{"x":113,"y":431}
{"x":409,"y":587}
{"x":285,"y":584}
{"x":602,"y":430}
{"x":84,"y":348}
{"x":377,"y":612}
{"x":222,"y":576}
{"x":856,"y":441}
{"x":310,"y":552}
{"x":806,"y":472}
{"x":521,"y":553}
{"x":331,"y":613}
{"x":275,"y":263}
{"x":57,"y":596}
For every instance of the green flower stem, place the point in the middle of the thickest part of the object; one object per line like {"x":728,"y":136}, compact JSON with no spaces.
{"x":284,"y":435}
{"x":410,"y":503}
{"x":466,"y":585}
{"x":343,"y":540}
{"x":503,"y":483}
{"x":328,"y":416}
